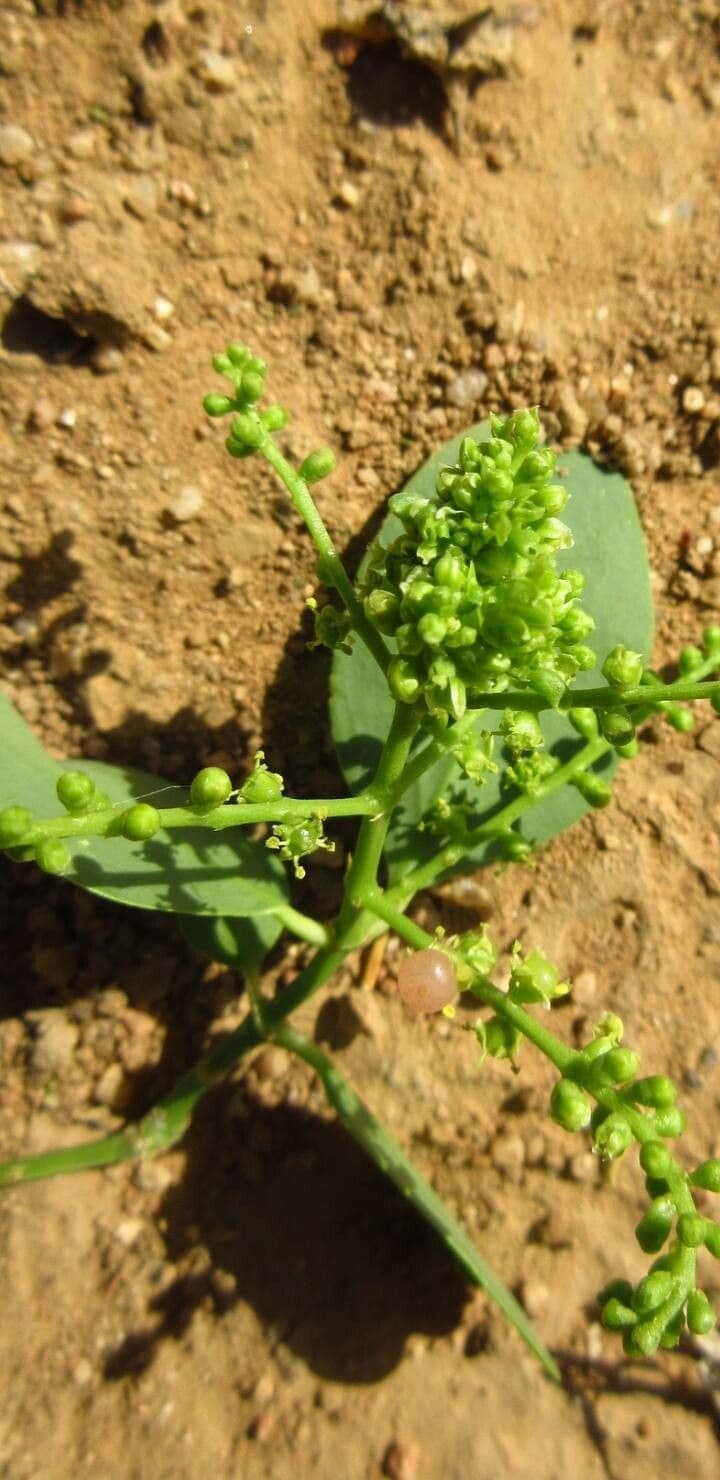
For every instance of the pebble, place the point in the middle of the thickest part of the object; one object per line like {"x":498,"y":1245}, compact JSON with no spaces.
{"x":55,"y":1042}
{"x":508,"y":1154}
{"x":140,"y":196}
{"x":42,"y":415}
{"x":368,"y":478}
{"x":574,"y":418}
{"x":153,"y":1176}
{"x":467,"y":388}
{"x":217,"y":72}
{"x":112,"y":1087}
{"x":67,"y":418}
{"x":348,"y":194}
{"x":187,"y":505}
{"x":401,"y":1460}
{"x":583,"y":1167}
{"x":128,"y":1232}
{"x":106,"y":359}
{"x":163,"y":308}
{"x":81,"y":144}
{"x":584,"y":987}
{"x":693,"y":400}
{"x":157,"y":338}
{"x":264,"y":1390}
{"x":16,"y":144}
{"x":534,"y":1296}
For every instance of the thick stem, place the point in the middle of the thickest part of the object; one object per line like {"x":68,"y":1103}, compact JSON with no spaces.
{"x":332,"y":569}
{"x":682,"y":690}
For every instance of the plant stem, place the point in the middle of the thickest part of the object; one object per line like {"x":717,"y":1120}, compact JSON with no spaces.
{"x":681,"y":690}
{"x":303,"y":926}
{"x":332,"y":569}
{"x":108,"y":822}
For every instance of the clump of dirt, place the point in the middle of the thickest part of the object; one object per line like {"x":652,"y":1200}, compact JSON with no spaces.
{"x":258,"y":1301}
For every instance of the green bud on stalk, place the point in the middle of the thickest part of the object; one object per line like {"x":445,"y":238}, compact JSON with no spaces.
{"x":656,"y":1091}
{"x":617,"y":726}
{"x":681,"y":718}
{"x":711,"y":639}
{"x":655,"y":1159}
{"x":623,"y":668}
{"x":141,"y":822}
{"x":569,"y":1106}
{"x":75,"y":791}
{"x":15,"y":824}
{"x":671,"y":1122}
{"x":210,"y":788}
{"x":616,"y":1316}
{"x":521,"y":730}
{"x":707,"y":1176}
{"x":690,"y":659}
{"x":655,"y":1225}
{"x":592,"y":788}
{"x":216,"y":404}
{"x":691,"y":1230}
{"x":653,"y":1291}
{"x":700,"y":1314}
{"x":52,"y":856}
{"x":613,"y":1137}
{"x":585,"y":721}
{"x":318,"y":465}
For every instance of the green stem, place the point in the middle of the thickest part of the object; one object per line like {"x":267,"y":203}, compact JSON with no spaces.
{"x":303,"y":926}
{"x":681,"y":690}
{"x":362,"y":874}
{"x":379,"y":1145}
{"x":332,"y":569}
{"x":108,"y":822}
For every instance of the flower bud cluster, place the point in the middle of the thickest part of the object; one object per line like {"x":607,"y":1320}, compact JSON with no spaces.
{"x":469,"y":591}
{"x":249,"y":427}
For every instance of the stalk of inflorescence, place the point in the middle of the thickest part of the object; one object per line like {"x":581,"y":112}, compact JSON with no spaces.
{"x":628,"y":1109}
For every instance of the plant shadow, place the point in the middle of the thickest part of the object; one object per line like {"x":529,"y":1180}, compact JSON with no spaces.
{"x":298,"y":1224}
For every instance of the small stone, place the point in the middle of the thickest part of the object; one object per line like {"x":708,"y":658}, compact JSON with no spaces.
{"x":264,"y":1390}
{"x":348,"y":194}
{"x":81,"y":144}
{"x":574,"y":418}
{"x":42,"y":415}
{"x":693,"y":400}
{"x":82,"y":1372}
{"x":16,"y":144}
{"x":187,"y":505}
{"x":401,"y":1460}
{"x":67,"y":418}
{"x":141,"y":196}
{"x":508,"y":1154}
{"x":153,"y":1176}
{"x":157,"y":338}
{"x":128,"y":1232}
{"x":271,"y":1064}
{"x":584,"y":988}
{"x":75,"y":208}
{"x":368,"y":478}
{"x":106,"y":359}
{"x":163,"y":308}
{"x":55,"y":1042}
{"x":467,"y":388}
{"x":112,"y":1087}
{"x":583,"y":1167}
{"x":534,"y":1296}
{"x":217,"y":72}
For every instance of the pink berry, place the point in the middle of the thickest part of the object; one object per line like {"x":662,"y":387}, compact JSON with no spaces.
{"x":427,"y":982}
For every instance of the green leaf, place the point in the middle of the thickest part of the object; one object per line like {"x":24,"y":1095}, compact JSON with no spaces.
{"x":241,"y":944}
{"x":185,"y":872}
{"x":609,"y":548}
{"x":379,"y":1145}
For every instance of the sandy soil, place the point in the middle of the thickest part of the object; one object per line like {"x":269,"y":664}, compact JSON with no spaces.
{"x":259,"y":1303}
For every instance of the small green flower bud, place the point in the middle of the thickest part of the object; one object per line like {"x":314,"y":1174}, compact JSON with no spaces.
{"x":712,"y":1239}
{"x":403,"y":681}
{"x":655,"y":1225}
{"x":210,"y":788}
{"x":217,"y":405}
{"x":520,"y":729}
{"x":262,"y":786}
{"x":75,"y":791}
{"x":623,"y":669}
{"x":644,"y":1338}
{"x":549,"y":685}
{"x":617,"y":726}
{"x":15,"y":824}
{"x":535,"y":979}
{"x":616,"y":1316}
{"x":691,"y":1230}
{"x":512,"y":848}
{"x":700,"y":1314}
{"x":238,"y":449}
{"x":476,"y":952}
{"x":247,"y":430}
{"x":577,"y":625}
{"x":522,"y":428}
{"x":537,"y":466}
{"x":617,"y":1066}
{"x":274,"y":418}
{"x":629,"y":751}
{"x":141,"y":822}
{"x":711,"y":639}
{"x":592,"y":788}
{"x":681,"y":718}
{"x":673,"y":1331}
{"x":497,"y":1038}
{"x":690,"y":659}
{"x":585,"y":722}
{"x":251,"y":387}
{"x":707,"y":1176}
{"x":318,"y":465}
{"x":656,"y":1091}
{"x":653,"y":1291}
{"x":450,"y":571}
{"x":223,"y":364}
{"x":432,"y":629}
{"x":382,"y":608}
{"x":655,"y":1159}
{"x":52,"y":856}
{"x":238,"y":355}
{"x":613,"y":1137}
{"x":671,"y":1122}
{"x":569,"y":1107}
